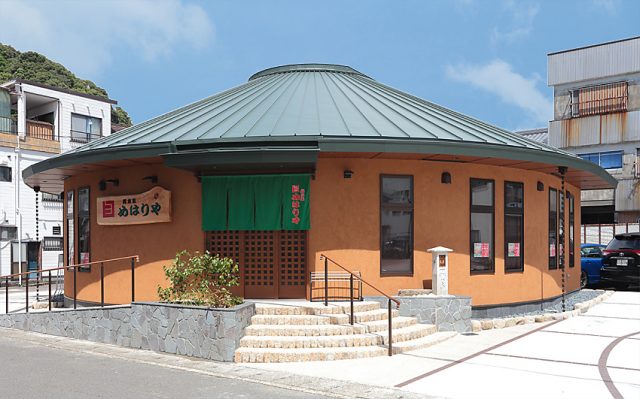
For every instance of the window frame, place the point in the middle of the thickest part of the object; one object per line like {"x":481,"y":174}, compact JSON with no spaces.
{"x":82,"y":215}
{"x":412,"y":223}
{"x":70,"y":240}
{"x":483,"y":209}
{"x":572,"y":230}
{"x":50,"y":239}
{"x":587,"y":155}
{"x":89,"y":135}
{"x":555,"y":257}
{"x":2,"y":173}
{"x":520,"y":213}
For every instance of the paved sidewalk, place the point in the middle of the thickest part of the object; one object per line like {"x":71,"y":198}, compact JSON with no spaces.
{"x":581,"y":357}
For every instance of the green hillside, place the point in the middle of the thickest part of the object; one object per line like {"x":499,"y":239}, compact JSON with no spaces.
{"x":38,"y":68}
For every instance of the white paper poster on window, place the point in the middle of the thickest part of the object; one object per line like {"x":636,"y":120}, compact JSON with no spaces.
{"x":481,"y":250}
{"x":552,"y":250}
{"x":513,"y":249}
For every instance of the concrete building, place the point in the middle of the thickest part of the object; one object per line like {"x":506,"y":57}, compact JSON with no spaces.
{"x":38,"y":122}
{"x":597,"y":116}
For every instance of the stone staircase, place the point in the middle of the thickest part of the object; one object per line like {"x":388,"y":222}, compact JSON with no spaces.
{"x":307,"y":332}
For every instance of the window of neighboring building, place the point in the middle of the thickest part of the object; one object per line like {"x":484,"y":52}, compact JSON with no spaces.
{"x":482,"y":226}
{"x":396,"y":225}
{"x":599,"y":99}
{"x":8,"y":233}
{"x":70,"y":228}
{"x":572,"y":249}
{"x":5,"y":173}
{"x":607,"y":160}
{"x":52,"y":244}
{"x":83,"y":225}
{"x":553,"y":228}
{"x":51,"y":197}
{"x":85,"y":128}
{"x":513,"y":226}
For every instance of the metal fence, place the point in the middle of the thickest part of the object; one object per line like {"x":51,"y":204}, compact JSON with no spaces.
{"x":603,"y":233}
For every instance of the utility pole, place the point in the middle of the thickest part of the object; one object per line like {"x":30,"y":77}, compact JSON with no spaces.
{"x":20,"y":130}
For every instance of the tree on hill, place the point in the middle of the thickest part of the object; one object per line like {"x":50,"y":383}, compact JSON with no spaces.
{"x":38,"y":68}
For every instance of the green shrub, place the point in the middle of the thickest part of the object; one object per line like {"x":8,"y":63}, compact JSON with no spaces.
{"x":201,"y":279}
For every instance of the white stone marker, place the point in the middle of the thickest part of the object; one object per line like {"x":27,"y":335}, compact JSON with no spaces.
{"x":440,"y":271}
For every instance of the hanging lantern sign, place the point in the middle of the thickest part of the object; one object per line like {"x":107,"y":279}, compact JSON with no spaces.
{"x":153,"y":206}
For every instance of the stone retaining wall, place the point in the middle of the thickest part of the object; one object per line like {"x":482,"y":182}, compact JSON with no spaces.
{"x":184,"y":330}
{"x":447,"y":313}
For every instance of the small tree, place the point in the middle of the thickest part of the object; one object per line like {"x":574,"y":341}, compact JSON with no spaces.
{"x":201,"y":279}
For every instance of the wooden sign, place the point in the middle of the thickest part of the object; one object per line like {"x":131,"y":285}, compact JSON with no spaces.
{"x":153,"y":206}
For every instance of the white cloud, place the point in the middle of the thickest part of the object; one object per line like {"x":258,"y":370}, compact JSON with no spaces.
{"x":610,"y":6}
{"x":499,"y":78}
{"x":520,"y":24}
{"x":83,"y":35}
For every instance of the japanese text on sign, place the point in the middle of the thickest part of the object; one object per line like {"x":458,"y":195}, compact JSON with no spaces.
{"x":297,"y":196}
{"x":153,"y":206}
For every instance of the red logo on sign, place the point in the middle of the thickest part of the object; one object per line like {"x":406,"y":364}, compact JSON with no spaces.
{"x":108,"y":209}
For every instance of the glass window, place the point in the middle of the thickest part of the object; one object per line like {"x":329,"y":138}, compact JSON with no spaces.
{"x":5,"y":173}
{"x":51,"y":197}
{"x":396,"y":225}
{"x":561,"y":230}
{"x":70,"y":229}
{"x":607,"y":160}
{"x":8,"y":233}
{"x":513,"y":226}
{"x":83,"y":225}
{"x":85,"y":128}
{"x":52,"y":244}
{"x":482,"y":224}
{"x":553,"y":228}
{"x":572,"y":249}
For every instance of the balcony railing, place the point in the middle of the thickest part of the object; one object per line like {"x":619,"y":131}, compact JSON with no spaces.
{"x":40,"y":130}
{"x":601,"y":99}
{"x":8,"y":125}
{"x":83,"y":137}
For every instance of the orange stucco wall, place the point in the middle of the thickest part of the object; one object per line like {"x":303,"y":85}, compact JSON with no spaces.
{"x":156,"y":243}
{"x":345,"y":225}
{"x":345,"y":217}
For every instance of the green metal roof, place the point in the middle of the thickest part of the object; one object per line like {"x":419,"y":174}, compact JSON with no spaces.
{"x":332,"y":107}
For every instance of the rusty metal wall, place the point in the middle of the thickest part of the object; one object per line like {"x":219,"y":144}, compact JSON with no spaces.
{"x":594,"y":62}
{"x":593,"y":130}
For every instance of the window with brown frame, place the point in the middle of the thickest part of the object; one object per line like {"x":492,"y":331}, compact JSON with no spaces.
{"x":561,"y":230}
{"x":70,"y":228}
{"x":553,"y":228}
{"x":396,"y":225}
{"x":84,"y":223}
{"x":482,"y":223}
{"x":513,"y":227}
{"x":572,"y":249}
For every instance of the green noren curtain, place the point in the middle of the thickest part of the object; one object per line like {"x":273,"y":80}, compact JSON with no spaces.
{"x":255,"y":202}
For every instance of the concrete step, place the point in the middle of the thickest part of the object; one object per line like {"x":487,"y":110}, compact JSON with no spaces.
{"x":383,"y":325}
{"x":316,"y":309}
{"x":291,"y":320}
{"x":276,"y":355}
{"x":303,"y":330}
{"x":332,"y":341}
{"x":362,"y":317}
{"x":424,"y":342}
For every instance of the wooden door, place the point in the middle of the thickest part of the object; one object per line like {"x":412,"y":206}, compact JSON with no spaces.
{"x":273,"y":264}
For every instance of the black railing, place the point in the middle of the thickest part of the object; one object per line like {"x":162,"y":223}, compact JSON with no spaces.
{"x":353,"y":277}
{"x":74,"y":269}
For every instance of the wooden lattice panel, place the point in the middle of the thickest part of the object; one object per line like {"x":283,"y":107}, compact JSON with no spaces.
{"x":227,"y":244}
{"x":259,"y":259}
{"x":293,"y":257}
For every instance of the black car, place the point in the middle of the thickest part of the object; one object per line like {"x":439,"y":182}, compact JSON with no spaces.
{"x":621,"y":262}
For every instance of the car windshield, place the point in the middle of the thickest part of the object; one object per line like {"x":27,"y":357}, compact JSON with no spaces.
{"x":622,"y":242}
{"x":591,"y":251}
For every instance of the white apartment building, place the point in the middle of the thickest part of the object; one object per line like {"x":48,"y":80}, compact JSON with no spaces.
{"x":39,"y":122}
{"x":597,"y":116}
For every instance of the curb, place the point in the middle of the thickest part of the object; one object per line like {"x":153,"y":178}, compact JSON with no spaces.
{"x":478,"y":325}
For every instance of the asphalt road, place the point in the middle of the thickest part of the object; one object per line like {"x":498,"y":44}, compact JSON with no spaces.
{"x":31,"y":370}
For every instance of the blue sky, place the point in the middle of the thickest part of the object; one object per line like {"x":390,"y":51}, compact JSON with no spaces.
{"x":485,"y":58}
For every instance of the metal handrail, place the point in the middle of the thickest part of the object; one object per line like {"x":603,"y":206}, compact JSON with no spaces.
{"x":74,"y":268}
{"x":351,"y":277}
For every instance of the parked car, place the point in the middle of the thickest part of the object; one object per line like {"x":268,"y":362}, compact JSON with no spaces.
{"x":621,"y":262}
{"x":591,"y":263}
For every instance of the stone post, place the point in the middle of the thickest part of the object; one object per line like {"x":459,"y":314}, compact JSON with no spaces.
{"x":440,"y":270}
